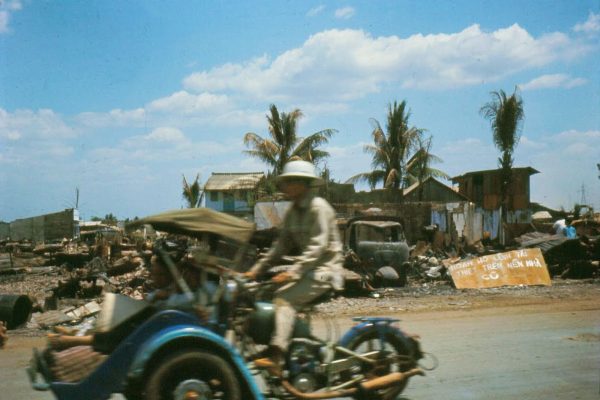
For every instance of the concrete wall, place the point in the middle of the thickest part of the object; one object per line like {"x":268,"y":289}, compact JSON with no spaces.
{"x":42,"y":228}
{"x":414,"y":216}
{"x":4,"y":230}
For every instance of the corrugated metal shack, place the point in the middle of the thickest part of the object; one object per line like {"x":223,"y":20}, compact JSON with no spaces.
{"x":484,"y":189}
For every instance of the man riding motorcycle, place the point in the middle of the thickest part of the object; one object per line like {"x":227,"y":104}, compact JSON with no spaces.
{"x":310,"y":238}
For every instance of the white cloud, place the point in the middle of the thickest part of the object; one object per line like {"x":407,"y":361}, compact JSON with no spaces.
{"x":566,"y":160}
{"x":342,"y":65}
{"x":571,"y":135}
{"x":526,"y":142}
{"x":116,"y":117}
{"x":4,"y":18}
{"x":315,"y":10}
{"x":28,"y":124}
{"x":345,"y":12}
{"x":166,"y":134}
{"x":11,"y":135}
{"x":591,"y":25}
{"x":183,"y":102}
{"x":553,"y":81}
{"x":6,"y":8}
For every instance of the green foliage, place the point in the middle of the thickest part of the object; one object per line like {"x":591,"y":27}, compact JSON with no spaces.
{"x":400,"y":154}
{"x":506,"y":116}
{"x":192,"y":193}
{"x":284,"y":143}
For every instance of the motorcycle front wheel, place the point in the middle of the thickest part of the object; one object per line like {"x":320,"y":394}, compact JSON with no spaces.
{"x":193,"y":374}
{"x":392,"y":356}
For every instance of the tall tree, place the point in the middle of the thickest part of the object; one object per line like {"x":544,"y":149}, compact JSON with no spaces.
{"x":506,"y":115}
{"x":284,"y":144}
{"x":418,"y":167}
{"x":391,"y":149}
{"x":192,"y":193}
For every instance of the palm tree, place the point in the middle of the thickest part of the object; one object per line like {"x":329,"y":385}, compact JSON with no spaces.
{"x":506,"y":117}
{"x":284,"y":144}
{"x":418,"y":166}
{"x":390,"y":150}
{"x":193,"y":194}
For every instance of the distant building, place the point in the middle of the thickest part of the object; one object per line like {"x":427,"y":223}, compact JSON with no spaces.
{"x":484,"y":188}
{"x":233,"y":193}
{"x":432,"y":190}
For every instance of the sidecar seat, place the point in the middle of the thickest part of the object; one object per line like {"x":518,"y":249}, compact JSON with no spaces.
{"x":119,"y":317}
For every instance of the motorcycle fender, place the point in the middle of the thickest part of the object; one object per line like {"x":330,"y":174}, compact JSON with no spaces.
{"x":182,"y":332}
{"x":382,"y":327}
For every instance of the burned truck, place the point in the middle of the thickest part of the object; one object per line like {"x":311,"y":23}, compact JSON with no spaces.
{"x":376,"y":251}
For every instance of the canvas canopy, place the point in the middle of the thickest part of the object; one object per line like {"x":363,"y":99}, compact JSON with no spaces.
{"x":195,"y":221}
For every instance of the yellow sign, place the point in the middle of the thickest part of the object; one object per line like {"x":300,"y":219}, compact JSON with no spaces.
{"x":517,"y":267}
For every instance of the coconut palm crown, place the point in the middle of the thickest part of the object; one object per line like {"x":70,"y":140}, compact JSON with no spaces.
{"x":284,"y":143}
{"x":391,"y":150}
{"x":506,"y":117}
{"x":192,"y":193}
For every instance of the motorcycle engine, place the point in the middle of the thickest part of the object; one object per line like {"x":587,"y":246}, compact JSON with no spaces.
{"x":303,"y":362}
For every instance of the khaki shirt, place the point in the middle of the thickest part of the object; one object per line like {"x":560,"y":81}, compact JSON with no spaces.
{"x":310,"y":235}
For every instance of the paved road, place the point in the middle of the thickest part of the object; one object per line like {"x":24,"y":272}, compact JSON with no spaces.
{"x":515,"y":353}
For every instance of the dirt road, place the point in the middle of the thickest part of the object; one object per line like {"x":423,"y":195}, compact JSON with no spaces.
{"x":529,"y":344}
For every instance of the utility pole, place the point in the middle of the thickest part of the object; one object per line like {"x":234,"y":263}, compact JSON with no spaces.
{"x":583,"y":199}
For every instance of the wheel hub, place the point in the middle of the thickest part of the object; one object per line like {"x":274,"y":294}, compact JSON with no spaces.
{"x":192,"y":389}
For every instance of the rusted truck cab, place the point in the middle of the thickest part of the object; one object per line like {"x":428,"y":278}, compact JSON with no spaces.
{"x":376,"y":250}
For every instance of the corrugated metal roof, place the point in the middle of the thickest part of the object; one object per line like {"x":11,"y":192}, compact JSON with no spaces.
{"x":415,"y":185}
{"x":528,"y":170}
{"x":233,"y":181}
{"x":270,"y":214}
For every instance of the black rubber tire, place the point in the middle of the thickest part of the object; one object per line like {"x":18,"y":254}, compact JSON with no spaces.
{"x":392,"y":343}
{"x":200,"y":365}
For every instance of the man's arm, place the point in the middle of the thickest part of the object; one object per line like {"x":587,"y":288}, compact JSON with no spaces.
{"x":274,"y":254}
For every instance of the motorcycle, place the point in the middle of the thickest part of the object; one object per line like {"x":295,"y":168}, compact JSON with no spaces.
{"x":186,"y":355}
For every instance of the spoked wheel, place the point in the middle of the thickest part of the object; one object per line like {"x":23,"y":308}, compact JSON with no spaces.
{"x":391,"y":355}
{"x":193,"y":375}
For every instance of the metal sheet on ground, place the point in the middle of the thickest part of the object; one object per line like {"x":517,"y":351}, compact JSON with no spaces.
{"x":517,"y":267}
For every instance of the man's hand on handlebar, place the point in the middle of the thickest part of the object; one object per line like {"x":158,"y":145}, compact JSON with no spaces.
{"x":249,"y":275}
{"x":282,"y":277}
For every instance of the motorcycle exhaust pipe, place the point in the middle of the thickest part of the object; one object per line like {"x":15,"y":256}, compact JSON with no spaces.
{"x":391,"y":379}
{"x":380,"y":382}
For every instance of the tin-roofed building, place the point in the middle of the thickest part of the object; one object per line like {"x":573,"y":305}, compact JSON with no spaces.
{"x":232,"y":192}
{"x":484,"y":188}
{"x":432,"y":190}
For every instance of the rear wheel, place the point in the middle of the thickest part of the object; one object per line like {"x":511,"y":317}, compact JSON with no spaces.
{"x":392,"y":355}
{"x":193,"y":375}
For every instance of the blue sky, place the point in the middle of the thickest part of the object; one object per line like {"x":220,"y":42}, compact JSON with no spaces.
{"x":119,"y":99}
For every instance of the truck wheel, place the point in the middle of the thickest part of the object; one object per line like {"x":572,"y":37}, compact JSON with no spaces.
{"x":193,"y":375}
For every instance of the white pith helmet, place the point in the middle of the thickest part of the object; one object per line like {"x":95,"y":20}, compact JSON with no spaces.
{"x":300,"y":169}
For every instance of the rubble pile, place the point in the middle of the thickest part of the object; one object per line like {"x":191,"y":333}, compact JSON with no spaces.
{"x":577,"y":258}
{"x":66,"y":281}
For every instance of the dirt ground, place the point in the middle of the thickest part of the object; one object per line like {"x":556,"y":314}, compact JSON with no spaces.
{"x":440,"y":296}
{"x":563,"y":315}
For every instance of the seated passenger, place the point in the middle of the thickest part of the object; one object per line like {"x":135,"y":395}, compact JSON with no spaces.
{"x":164,"y":289}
